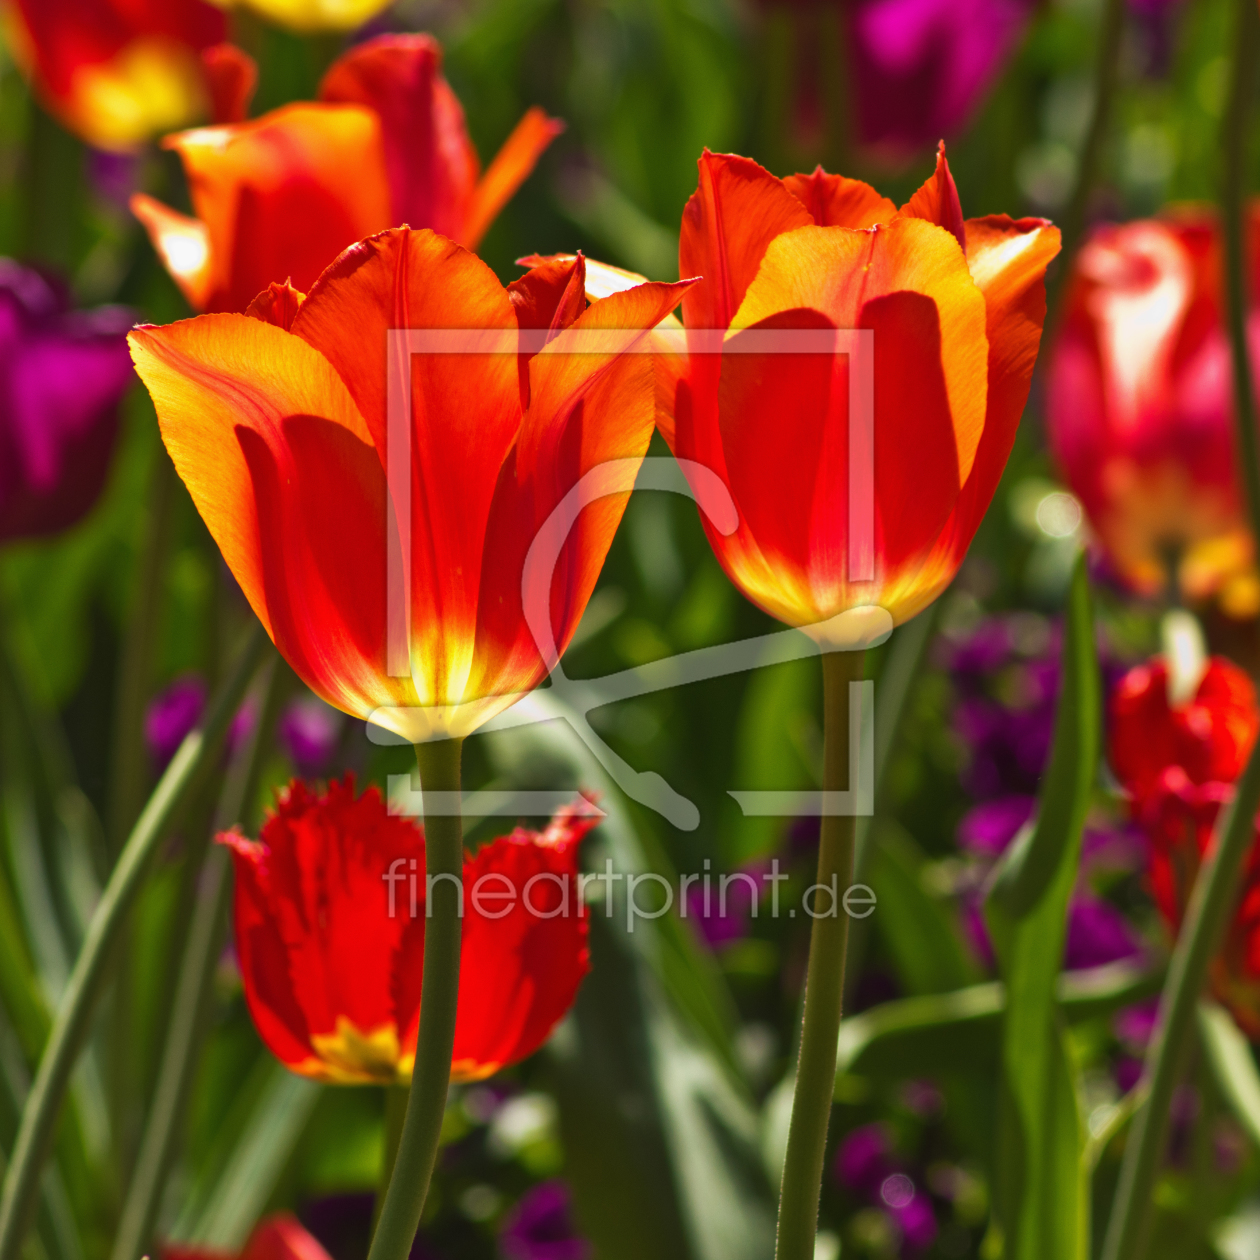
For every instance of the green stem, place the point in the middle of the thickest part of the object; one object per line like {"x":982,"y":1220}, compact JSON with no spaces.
{"x":824,"y":982}
{"x":1106,"y":77}
{"x":1233,"y":214}
{"x":1215,"y":889}
{"x":395,"y":1114}
{"x":196,"y":976}
{"x":39,"y":1116}
{"x":439,"y":996}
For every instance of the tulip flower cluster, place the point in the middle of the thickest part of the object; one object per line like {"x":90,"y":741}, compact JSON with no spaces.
{"x":1179,"y":762}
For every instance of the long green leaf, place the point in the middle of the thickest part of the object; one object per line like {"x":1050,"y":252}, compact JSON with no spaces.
{"x":222,"y":1212}
{"x":1040,"y":1203}
{"x":1229,"y":1053}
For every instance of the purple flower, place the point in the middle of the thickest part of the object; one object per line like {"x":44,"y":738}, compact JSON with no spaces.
{"x":920,"y":67}
{"x":171,"y":715}
{"x":986,"y":829}
{"x":540,"y":1227}
{"x":1097,"y":934}
{"x":723,"y":915}
{"x":1135,"y":1025}
{"x":911,"y":1210}
{"x":62,"y":375}
{"x":864,"y":1160}
{"x":309,"y":729}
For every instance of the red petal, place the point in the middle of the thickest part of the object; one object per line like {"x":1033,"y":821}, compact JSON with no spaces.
{"x":837,"y":201}
{"x":727,"y":226}
{"x":431,"y":162}
{"x":937,"y":201}
{"x":232,"y":76}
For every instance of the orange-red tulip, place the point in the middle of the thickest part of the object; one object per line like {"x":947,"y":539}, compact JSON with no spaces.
{"x":115,"y":71}
{"x":1140,"y":406}
{"x":956,"y":309}
{"x":279,"y":433}
{"x":280,"y":197}
{"x":330,"y":921}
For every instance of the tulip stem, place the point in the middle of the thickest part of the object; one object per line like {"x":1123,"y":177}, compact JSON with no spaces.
{"x":43,"y":1104}
{"x":439,"y":997}
{"x":1233,"y":213}
{"x":824,"y":980}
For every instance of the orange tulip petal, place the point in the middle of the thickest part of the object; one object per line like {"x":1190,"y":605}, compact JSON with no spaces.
{"x":231,"y":76}
{"x":837,"y":201}
{"x":937,"y":201}
{"x":839,"y":272}
{"x":431,"y":163}
{"x":589,"y":408}
{"x":549,"y":297}
{"x":282,"y":196}
{"x":277,"y":304}
{"x":282,"y":469}
{"x":466,"y":410}
{"x":512,"y":164}
{"x":727,"y":226}
{"x":183,"y":244}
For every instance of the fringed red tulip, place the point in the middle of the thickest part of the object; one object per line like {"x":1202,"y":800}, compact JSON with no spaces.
{"x":330,"y":926}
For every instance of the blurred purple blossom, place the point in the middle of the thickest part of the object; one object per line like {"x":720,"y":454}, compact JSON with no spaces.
{"x":114,"y":176}
{"x":986,"y":829}
{"x":309,"y":731}
{"x":62,"y":376}
{"x":175,"y":710}
{"x":1135,"y":1025}
{"x":540,"y":1227}
{"x":864,"y":1160}
{"x":913,"y":1215}
{"x":921,"y":67}
{"x":1097,"y":934}
{"x":722,"y":916}
{"x":171,"y":714}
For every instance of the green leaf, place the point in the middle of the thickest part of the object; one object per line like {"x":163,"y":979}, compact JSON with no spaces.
{"x":242,"y":1175}
{"x":1040,"y":1200}
{"x":1229,"y":1054}
{"x":658,"y":1125}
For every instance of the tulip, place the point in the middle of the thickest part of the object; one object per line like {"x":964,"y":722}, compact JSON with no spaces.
{"x":330,"y":928}
{"x":920,"y":68}
{"x":280,"y":197}
{"x":956,"y":309}
{"x":278,"y":1237}
{"x":62,"y":376}
{"x":1139,"y":409}
{"x":1178,"y":763}
{"x":116,"y":72}
{"x":280,"y":435}
{"x":314,"y":15}
{"x":540,"y":1227}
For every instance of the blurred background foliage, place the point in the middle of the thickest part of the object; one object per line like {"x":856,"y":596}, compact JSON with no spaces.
{"x":656,"y":1098}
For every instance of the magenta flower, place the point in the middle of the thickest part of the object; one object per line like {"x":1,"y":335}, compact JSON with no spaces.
{"x":310,"y":731}
{"x":540,"y":1227}
{"x":62,"y":375}
{"x":921,"y":67}
{"x":171,"y":714}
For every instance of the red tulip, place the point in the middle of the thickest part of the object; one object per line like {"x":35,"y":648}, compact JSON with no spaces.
{"x":116,"y":71}
{"x":330,"y":922}
{"x":280,"y":197}
{"x":1139,"y":408}
{"x":280,"y":435}
{"x":956,"y":310}
{"x":1178,"y":764}
{"x":278,"y":1237}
